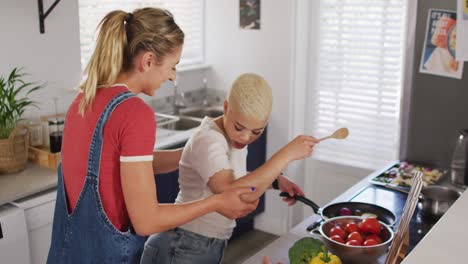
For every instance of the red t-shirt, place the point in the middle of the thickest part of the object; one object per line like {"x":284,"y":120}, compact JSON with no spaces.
{"x":128,"y":136}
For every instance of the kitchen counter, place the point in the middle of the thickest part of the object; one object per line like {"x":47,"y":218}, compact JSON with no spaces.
{"x":446,"y":241}
{"x":277,"y":251}
{"x":430,"y":231}
{"x":34,"y":179}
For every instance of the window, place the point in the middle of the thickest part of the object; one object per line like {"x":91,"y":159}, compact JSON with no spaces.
{"x":360,"y":79}
{"x":188,"y":15}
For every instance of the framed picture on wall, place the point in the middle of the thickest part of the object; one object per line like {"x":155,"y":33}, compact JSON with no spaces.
{"x":440,"y":43}
{"x":249,"y":14}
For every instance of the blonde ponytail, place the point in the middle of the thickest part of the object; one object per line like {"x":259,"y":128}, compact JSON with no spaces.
{"x":121,"y":37}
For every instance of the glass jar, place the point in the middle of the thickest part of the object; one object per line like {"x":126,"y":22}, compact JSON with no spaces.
{"x":55,"y":134}
{"x":458,"y":166}
{"x":35,"y":134}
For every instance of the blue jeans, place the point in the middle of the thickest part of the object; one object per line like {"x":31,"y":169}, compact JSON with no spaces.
{"x":179,"y":246}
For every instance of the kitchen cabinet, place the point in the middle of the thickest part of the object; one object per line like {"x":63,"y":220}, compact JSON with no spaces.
{"x":14,"y":247}
{"x":27,"y":201}
{"x":39,"y":213}
{"x":167,"y":184}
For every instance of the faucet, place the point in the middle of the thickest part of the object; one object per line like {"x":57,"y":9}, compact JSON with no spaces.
{"x":205,"y":92}
{"x":178,"y":101}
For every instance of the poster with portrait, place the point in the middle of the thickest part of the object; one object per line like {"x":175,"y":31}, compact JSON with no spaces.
{"x":249,"y":14}
{"x":438,"y":56}
{"x":462,"y":30}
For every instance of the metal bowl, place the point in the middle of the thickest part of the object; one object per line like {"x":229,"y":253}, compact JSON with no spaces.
{"x":355,"y":254}
{"x":437,"y":199}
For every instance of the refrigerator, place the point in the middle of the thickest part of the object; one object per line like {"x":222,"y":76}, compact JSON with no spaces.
{"x":434,"y":107}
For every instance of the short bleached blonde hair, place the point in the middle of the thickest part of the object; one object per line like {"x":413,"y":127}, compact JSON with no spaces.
{"x":251,"y":95}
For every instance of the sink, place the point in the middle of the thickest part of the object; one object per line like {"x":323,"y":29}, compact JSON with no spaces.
{"x":202,"y":112}
{"x":184,"y":123}
{"x":188,"y":118}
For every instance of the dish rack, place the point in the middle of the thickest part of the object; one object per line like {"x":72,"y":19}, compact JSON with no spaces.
{"x":402,"y":231}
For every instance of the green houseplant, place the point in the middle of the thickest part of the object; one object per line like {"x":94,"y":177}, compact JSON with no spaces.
{"x":14,"y":92}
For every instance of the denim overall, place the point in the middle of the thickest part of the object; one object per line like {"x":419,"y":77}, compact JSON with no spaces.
{"x":87,"y":235}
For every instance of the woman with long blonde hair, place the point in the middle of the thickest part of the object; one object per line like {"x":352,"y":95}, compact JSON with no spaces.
{"x":106,"y":195}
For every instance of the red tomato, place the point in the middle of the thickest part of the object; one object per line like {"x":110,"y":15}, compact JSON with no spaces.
{"x":337,"y":238}
{"x":355,"y":236}
{"x":370,"y":225}
{"x":353,"y":243}
{"x":351,"y":227}
{"x":370,"y":242}
{"x":374,"y":237}
{"x":337,"y":231}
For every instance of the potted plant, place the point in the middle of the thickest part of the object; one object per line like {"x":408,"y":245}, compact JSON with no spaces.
{"x":14,"y":139}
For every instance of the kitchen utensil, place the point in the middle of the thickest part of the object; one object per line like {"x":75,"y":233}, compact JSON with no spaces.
{"x":354,"y":254}
{"x":338,"y":134}
{"x":332,"y":210}
{"x":408,"y":211}
{"x":459,"y":164}
{"x":437,"y":199}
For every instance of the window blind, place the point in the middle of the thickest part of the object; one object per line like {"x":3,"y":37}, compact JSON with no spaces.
{"x":359,"y":80}
{"x":188,"y":14}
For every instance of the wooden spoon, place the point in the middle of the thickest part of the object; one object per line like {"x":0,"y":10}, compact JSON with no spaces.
{"x":338,"y":134}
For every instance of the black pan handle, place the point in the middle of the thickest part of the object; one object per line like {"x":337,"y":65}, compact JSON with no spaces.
{"x":315,"y":224}
{"x":302,"y":199}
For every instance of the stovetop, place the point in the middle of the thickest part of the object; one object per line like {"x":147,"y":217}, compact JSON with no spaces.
{"x":395,"y":201}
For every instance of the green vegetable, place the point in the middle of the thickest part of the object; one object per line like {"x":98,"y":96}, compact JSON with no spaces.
{"x":304,"y":250}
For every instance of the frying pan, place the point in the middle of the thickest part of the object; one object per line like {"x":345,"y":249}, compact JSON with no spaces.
{"x":332,"y":210}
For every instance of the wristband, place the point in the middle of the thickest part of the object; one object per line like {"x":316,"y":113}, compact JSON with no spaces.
{"x":275,"y":185}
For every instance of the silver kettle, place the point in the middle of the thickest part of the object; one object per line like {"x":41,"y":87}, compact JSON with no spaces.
{"x":459,"y":164}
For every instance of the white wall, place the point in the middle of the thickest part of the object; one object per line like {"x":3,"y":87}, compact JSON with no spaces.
{"x":232,"y":51}
{"x":52,"y":58}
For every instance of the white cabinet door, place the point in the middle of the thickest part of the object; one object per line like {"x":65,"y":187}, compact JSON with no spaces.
{"x":14,"y":247}
{"x":39,"y":213}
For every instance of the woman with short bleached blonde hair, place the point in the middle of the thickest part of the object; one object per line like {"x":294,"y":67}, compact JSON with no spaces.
{"x":214,"y":161}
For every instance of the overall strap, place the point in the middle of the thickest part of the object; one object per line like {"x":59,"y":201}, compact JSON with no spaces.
{"x":94,"y":156}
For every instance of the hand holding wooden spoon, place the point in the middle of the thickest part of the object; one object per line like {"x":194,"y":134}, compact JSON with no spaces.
{"x":338,"y":134}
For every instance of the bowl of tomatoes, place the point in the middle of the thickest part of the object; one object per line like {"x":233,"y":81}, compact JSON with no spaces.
{"x":356,"y":239}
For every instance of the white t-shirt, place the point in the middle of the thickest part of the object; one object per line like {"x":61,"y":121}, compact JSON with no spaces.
{"x":206,"y":153}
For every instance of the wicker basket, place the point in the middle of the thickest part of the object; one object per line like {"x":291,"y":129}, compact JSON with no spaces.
{"x":14,"y":151}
